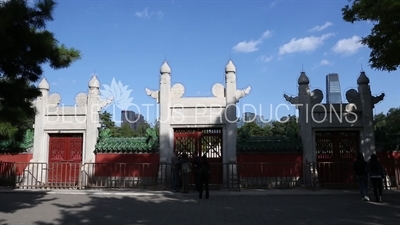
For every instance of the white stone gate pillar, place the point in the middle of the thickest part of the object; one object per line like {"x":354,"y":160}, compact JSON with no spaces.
{"x":367,"y":103}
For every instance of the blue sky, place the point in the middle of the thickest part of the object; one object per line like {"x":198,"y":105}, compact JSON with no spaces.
{"x":269,"y":42}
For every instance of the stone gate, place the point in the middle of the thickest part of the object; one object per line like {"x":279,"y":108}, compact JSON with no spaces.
{"x":335,"y":132}
{"x":184,"y":120}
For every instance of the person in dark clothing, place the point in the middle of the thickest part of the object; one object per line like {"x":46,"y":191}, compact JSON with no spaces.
{"x":175,"y":171}
{"x":360,"y":166}
{"x":376,"y":173}
{"x":205,"y":177}
{"x":185,"y":172}
{"x":196,"y":171}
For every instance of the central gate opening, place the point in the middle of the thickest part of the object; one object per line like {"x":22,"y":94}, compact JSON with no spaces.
{"x":199,"y":142}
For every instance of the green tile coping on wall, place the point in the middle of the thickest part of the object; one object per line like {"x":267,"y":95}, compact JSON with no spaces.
{"x":269,"y":144}
{"x":126,"y":145}
{"x":149,"y":144}
{"x":108,"y":144}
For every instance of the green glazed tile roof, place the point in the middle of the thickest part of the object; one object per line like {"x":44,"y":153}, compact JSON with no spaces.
{"x":125,"y":145}
{"x":268,"y":144}
{"x":108,"y":144}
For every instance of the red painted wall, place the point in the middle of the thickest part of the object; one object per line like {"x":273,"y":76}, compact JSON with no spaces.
{"x":388,"y":160}
{"x":270,"y":165}
{"x":14,"y":162}
{"x":126,"y":165}
{"x":19,"y":158}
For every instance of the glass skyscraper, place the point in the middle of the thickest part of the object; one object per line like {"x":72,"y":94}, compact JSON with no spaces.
{"x":333,"y":91}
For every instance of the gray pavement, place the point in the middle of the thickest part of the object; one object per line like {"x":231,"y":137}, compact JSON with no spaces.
{"x":146,"y":207}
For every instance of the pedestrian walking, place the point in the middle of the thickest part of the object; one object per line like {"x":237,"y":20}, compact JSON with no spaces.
{"x":360,"y":168}
{"x":205,"y":177}
{"x":376,"y":173}
{"x":175,"y":171}
{"x":196,"y":171}
{"x":185,"y":172}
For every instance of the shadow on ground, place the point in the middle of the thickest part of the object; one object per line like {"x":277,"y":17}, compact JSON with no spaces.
{"x":11,"y":203}
{"x":188,"y":209}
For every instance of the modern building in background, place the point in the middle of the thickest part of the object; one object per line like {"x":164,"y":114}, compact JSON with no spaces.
{"x":249,"y":117}
{"x":333,"y":90}
{"x":133,"y":119}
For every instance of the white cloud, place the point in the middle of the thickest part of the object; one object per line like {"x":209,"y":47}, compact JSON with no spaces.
{"x":145,"y":14}
{"x":264,"y":58}
{"x":325,"y":62}
{"x":348,"y":46}
{"x":252,"y":45}
{"x":322,"y":27}
{"x":306,"y":44}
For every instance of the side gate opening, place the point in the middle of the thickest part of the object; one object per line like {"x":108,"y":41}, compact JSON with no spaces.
{"x":336,"y":151}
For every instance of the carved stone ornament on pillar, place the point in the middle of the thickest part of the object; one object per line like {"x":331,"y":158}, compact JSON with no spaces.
{"x":230,"y":78}
{"x":165,"y":79}
{"x":81,"y":100}
{"x":153,"y":94}
{"x":242,"y":93}
{"x":177,"y":91}
{"x":218,"y":90}
{"x":352,"y":96}
{"x":54,"y":100}
{"x":316,"y":96}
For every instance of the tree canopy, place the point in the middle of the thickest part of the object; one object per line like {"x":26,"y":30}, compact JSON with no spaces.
{"x":384,"y":40}
{"x":287,"y":127}
{"x":387,"y":130}
{"x":25,"y":47}
{"x":124,"y":130}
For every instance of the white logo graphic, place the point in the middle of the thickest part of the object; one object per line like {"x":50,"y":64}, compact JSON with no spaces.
{"x":118,"y":93}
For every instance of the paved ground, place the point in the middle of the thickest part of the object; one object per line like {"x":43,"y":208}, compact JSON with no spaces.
{"x":251,"y":207}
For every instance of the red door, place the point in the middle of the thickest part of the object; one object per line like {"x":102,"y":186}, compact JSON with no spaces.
{"x":65,"y":158}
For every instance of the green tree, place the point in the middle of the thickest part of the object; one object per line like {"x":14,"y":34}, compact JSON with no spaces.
{"x":108,"y":123}
{"x":388,"y":123}
{"x":387,"y":131}
{"x":156,"y":127}
{"x":253,"y":130}
{"x":141,"y":130}
{"x":287,"y":126}
{"x":125,"y":131}
{"x":25,"y":47}
{"x":384,"y":37}
{"x":392,"y":121}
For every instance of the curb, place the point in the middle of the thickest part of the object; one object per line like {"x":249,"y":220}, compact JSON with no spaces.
{"x":139,"y":193}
